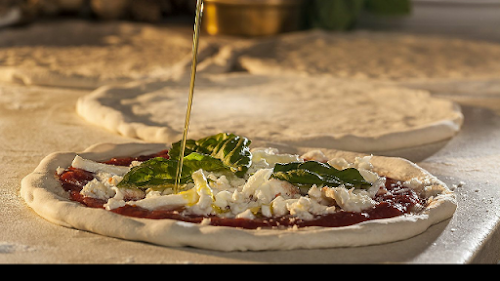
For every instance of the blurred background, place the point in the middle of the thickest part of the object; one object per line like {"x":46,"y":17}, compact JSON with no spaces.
{"x":474,"y":18}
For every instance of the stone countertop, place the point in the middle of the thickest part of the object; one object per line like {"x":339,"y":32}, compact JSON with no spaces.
{"x":36,"y":121}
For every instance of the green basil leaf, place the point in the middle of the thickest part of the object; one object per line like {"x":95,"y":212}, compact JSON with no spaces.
{"x":312,"y":172}
{"x":195,"y":161}
{"x":159,"y":173}
{"x":231,"y":149}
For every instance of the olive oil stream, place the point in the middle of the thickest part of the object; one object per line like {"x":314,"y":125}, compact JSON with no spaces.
{"x":196,"y":35}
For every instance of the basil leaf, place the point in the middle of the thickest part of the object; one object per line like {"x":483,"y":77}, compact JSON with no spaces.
{"x":231,"y":149}
{"x":312,"y":172}
{"x":159,"y":173}
{"x":196,"y":161}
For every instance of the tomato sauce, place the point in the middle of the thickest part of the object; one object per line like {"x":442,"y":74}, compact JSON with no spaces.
{"x":396,"y":202}
{"x":126,"y":161}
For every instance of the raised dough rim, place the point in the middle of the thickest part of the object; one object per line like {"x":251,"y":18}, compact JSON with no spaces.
{"x":90,"y":109}
{"x":44,"y":195}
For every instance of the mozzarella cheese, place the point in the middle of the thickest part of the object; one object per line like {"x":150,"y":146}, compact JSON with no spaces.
{"x":91,"y":166}
{"x":225,"y":195}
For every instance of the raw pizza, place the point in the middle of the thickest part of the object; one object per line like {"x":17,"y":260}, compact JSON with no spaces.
{"x":319,"y":112}
{"x":233,"y":198}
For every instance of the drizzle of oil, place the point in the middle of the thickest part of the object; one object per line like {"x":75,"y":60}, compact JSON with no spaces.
{"x":196,"y":35}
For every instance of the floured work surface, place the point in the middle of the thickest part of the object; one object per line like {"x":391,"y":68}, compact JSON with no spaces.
{"x":84,"y":54}
{"x":319,"y":112}
{"x":38,"y":121}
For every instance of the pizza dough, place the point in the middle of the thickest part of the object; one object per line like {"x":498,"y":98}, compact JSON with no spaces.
{"x":42,"y":191}
{"x":378,"y":56}
{"x":82,"y":54}
{"x":320,"y":112}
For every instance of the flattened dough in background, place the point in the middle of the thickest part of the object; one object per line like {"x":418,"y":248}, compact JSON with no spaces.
{"x":83,"y":54}
{"x":450,"y":67}
{"x":294,"y":111}
{"x":377,"y":56}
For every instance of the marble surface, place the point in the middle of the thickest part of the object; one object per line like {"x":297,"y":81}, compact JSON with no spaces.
{"x":35,"y":121}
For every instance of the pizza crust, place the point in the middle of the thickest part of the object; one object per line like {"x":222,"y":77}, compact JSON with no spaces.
{"x":44,"y":194}
{"x":296,"y":111}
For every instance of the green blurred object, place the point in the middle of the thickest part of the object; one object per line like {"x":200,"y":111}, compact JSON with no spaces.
{"x":343,"y":14}
{"x":388,"y":7}
{"x":334,"y":14}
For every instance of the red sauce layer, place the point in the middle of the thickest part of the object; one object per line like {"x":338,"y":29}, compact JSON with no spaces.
{"x":396,"y":202}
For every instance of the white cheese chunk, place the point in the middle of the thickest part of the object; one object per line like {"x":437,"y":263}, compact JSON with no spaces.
{"x":203,"y":205}
{"x":351,"y":200}
{"x":129,"y":193}
{"x":114,"y":204}
{"x":151,"y":203}
{"x":271,"y":156}
{"x":279,"y":206}
{"x":362,"y":164}
{"x":306,"y":208}
{"x":223,"y":199}
{"x":315,"y":155}
{"x":93,"y":167}
{"x":60,"y":170}
{"x":264,"y":189}
{"x":247,"y":214}
{"x":96,"y":189}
